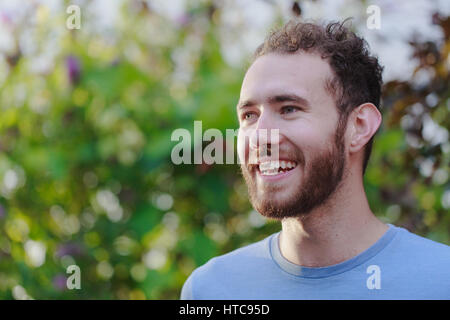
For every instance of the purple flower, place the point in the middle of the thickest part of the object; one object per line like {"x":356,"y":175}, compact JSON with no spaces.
{"x":73,"y":69}
{"x":71,"y":249}
{"x":183,"y":20}
{"x":59,"y":282}
{"x":6,"y":18}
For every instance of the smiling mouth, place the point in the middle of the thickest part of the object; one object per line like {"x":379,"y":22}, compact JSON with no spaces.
{"x":271,"y":168}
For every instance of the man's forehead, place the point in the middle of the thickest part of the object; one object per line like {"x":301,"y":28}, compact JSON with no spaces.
{"x":299,"y":63}
{"x":272,"y":74}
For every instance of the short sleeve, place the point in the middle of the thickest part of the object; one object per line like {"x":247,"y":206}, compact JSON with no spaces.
{"x":186,"y":291}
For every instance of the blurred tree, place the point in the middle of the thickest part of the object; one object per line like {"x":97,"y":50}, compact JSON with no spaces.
{"x":87,"y":177}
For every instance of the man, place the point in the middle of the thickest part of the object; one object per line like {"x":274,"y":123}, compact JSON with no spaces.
{"x":320,"y":87}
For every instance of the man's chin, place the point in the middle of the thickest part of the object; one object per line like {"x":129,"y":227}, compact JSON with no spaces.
{"x":273,"y":208}
{"x":277,"y":195}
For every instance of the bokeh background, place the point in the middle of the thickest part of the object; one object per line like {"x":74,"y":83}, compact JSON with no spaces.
{"x":87,"y":115}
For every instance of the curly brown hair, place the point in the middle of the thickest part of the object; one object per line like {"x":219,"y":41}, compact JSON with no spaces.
{"x":357,"y":74}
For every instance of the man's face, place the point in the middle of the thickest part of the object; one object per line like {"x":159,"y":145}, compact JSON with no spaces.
{"x":287,"y":92}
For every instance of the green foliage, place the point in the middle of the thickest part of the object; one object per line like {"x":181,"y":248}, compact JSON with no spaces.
{"x":87,"y":174}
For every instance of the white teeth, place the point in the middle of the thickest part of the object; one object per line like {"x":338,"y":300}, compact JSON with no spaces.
{"x":269,"y":173}
{"x":270,"y":168}
{"x":269,"y":165}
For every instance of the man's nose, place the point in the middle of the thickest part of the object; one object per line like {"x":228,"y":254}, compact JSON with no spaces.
{"x":266,"y":135}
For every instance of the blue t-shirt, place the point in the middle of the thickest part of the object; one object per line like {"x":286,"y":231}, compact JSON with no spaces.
{"x":400,"y":265}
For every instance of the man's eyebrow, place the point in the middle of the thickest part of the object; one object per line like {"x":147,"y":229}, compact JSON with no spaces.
{"x":289,"y":98}
{"x":244,"y":104}
{"x":277,"y":99}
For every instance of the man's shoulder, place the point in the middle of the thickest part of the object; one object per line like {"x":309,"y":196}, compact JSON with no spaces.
{"x":238,"y":257}
{"x":422,"y":242}
{"x":230,"y":267}
{"x":423,"y":248}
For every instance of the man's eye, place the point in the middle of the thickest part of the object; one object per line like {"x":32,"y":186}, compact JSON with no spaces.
{"x":289,"y":109}
{"x":248,"y":115}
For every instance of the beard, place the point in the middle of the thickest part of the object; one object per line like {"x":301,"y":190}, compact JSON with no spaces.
{"x":321,"y":180}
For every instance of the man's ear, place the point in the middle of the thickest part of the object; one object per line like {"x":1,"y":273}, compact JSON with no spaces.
{"x":365,"y":121}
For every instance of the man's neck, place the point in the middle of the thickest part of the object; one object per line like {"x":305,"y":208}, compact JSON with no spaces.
{"x":335,"y":232}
